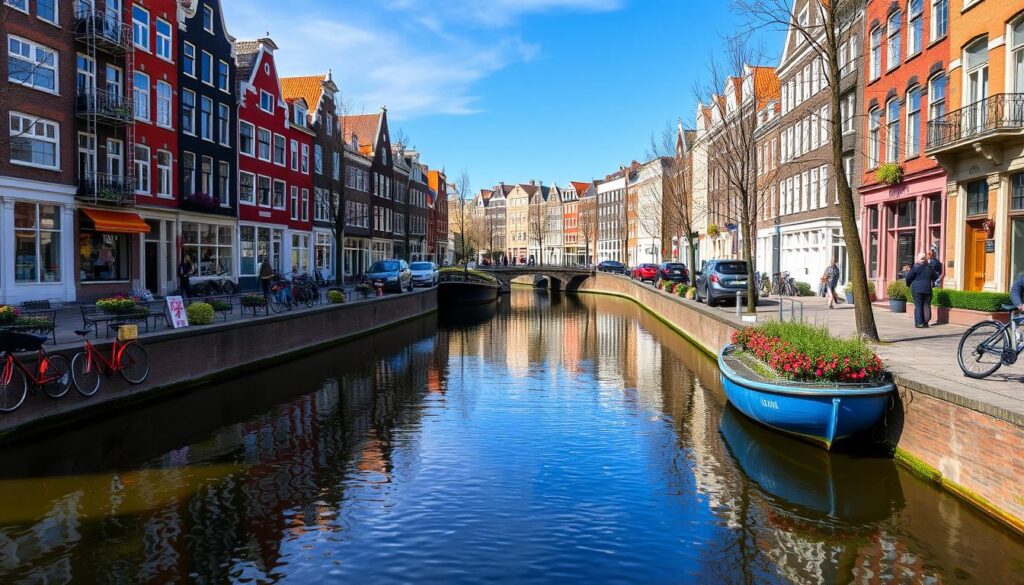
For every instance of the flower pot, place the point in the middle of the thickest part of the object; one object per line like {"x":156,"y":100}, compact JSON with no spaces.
{"x":897,"y":306}
{"x":849,"y":297}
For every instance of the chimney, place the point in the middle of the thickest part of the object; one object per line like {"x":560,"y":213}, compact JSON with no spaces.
{"x":533,"y":183}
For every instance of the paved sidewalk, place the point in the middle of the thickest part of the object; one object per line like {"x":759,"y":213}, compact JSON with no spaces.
{"x":919,"y":356}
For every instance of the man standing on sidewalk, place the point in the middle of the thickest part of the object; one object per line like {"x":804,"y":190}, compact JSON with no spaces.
{"x":920,"y":279}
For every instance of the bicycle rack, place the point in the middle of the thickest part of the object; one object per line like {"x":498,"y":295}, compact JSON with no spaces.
{"x":792,"y":309}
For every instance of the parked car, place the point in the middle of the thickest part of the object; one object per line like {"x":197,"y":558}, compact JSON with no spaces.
{"x":613,"y":267}
{"x":673,"y":272}
{"x":646,"y":272}
{"x":395,"y":274}
{"x":720,"y":280}
{"x":424,"y":273}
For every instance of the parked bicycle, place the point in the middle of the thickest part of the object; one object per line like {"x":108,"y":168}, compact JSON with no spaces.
{"x":127,"y":357}
{"x":281,"y":297}
{"x":991,"y":344}
{"x":51,"y":373}
{"x":783,"y":284}
{"x":762,"y":283}
{"x":221,"y":284}
{"x":305,"y":290}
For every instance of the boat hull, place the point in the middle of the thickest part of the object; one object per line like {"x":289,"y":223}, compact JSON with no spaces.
{"x":466,"y":293}
{"x":818,"y":414}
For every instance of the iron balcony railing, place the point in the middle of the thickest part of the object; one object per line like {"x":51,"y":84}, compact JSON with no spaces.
{"x":1002,"y":112}
{"x":107,"y":188}
{"x":107,"y":106}
{"x":107,"y":29}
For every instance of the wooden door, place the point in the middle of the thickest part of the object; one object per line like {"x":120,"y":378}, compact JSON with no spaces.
{"x":975,"y":269}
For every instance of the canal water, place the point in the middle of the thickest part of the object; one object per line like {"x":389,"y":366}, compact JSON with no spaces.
{"x":547,"y":440}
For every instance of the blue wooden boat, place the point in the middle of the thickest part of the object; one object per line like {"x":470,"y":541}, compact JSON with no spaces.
{"x":821,"y":414}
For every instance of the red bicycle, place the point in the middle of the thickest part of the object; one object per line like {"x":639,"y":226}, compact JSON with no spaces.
{"x":127,"y":357}
{"x":50,"y":373}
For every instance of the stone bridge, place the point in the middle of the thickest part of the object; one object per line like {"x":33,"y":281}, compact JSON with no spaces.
{"x":558,"y":277}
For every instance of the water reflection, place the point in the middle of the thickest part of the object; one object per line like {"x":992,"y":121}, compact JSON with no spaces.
{"x":543,"y":439}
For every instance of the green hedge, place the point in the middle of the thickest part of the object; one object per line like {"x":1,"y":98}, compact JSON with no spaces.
{"x":335,"y":297}
{"x":988,"y":302}
{"x":803,"y":289}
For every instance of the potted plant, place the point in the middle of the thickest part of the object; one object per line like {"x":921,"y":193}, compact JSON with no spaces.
{"x":898,"y":293}
{"x":252,"y":300}
{"x":889,"y":173}
{"x":713,"y":230}
{"x":8,"y":314}
{"x":364,"y":289}
{"x":199,"y":314}
{"x":117,"y":305}
{"x":335,"y":296}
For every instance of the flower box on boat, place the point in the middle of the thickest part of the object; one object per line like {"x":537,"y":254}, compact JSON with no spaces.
{"x":819,"y":412}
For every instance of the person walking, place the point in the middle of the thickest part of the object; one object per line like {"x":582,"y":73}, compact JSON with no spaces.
{"x":185,"y":271}
{"x":831,"y":280}
{"x":266,"y":277}
{"x":920,"y":279}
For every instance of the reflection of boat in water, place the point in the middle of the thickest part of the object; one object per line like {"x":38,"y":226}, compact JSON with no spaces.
{"x":819,"y":413}
{"x":451,"y":316}
{"x":803,"y":483}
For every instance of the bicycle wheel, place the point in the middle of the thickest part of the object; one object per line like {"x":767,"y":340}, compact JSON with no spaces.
{"x":13,"y":386}
{"x":310,"y":298}
{"x":981,"y":349}
{"x":133,"y":363}
{"x":85,"y":374}
{"x":57,"y":375}
{"x":229,"y":288}
{"x":276,"y":304}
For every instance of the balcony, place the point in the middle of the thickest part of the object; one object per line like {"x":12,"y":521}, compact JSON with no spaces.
{"x":106,"y":29}
{"x":970,"y":127}
{"x":110,"y":108}
{"x":106,"y":188}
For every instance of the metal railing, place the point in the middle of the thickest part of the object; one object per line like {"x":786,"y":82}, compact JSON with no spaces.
{"x":107,"y":106}
{"x":106,"y":29}
{"x":793,"y":303}
{"x":107,"y":188}
{"x":996,"y":113}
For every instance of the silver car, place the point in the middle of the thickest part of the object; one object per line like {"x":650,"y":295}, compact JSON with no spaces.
{"x":424,"y":273}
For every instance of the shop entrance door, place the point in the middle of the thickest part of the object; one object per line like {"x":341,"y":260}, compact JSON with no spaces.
{"x":975,"y":268}
{"x":152,"y":273}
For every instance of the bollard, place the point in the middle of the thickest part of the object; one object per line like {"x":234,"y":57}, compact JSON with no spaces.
{"x":739,"y":302}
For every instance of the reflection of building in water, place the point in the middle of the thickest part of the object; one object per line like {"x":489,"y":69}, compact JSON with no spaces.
{"x":518,"y":336}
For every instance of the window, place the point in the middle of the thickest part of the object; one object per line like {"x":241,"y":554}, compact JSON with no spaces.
{"x":295,"y":155}
{"x":318,"y":159}
{"x":115,"y":159}
{"x":940,"y":18}
{"x":892,"y":131}
{"x":264,"y":144}
{"x":164,"y":173}
{"x":86,"y":156}
{"x":210,"y":246}
{"x":45,"y":10}
{"x":876,"y":53}
{"x":224,"y":183}
{"x":223,"y":78}
{"x":224,"y":124}
{"x":305,"y":205}
{"x":266,"y":102}
{"x":895,"y":42}
{"x":300,"y":115}
{"x":247,"y":138}
{"x":1017,"y":58}
{"x":913,"y":122}
{"x":246,"y":188}
{"x":336,"y":166}
{"x":31,"y":65}
{"x":977,"y":197}
{"x":188,"y":59}
{"x":21,"y":5}
{"x":163,"y":104}
{"x":263,"y":190}
{"x":114,"y":82}
{"x":295,"y":203}
{"x":85,"y":76}
{"x":164,"y":41}
{"x":937,"y":97}
{"x":915,"y":26}
{"x":140,"y":28}
{"x":208,"y":19}
{"x":34,"y":141}
{"x":1017,"y":192}
{"x":874,"y":137}
{"x":104,"y":257}
{"x":142,"y":170}
{"x":279,"y":190}
{"x":305,"y":159}
{"x":188,"y":172}
{"x":848,"y":168}
{"x":849,"y":112}
{"x":206,"y":118}
{"x":188,"y":111}
{"x":36,"y":242}
{"x":141,"y":89}
{"x":206,"y":176}
{"x":206,"y":68}
{"x":279,"y":150}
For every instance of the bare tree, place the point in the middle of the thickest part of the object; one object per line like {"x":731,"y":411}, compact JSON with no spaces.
{"x":586,"y":224}
{"x":340,"y":213}
{"x":459,"y":208}
{"x":538,"y":224}
{"x":828,"y":25}
{"x":732,"y":151}
{"x":676,"y":207}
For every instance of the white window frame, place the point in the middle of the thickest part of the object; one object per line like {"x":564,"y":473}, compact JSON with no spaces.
{"x":260,"y":132}
{"x":223,"y":81}
{"x":267,"y":97}
{"x":164,"y":43}
{"x":251,"y":153}
{"x":912,"y":134}
{"x":936,"y":5}
{"x":203,"y":100}
{"x":140,"y":30}
{"x":875,"y":42}
{"x":293,"y":203}
{"x":56,"y":13}
{"x":224,"y":183}
{"x":190,"y":187}
{"x":208,"y":19}
{"x":143,"y":170}
{"x":141,"y":96}
{"x":260,"y":179}
{"x":243,"y":197}
{"x":165,"y":174}
{"x":118,"y":158}
{"x":206,"y":57}
{"x":189,"y":129}
{"x":915,"y":35}
{"x":293,"y":151}
{"x":208,"y":184}
{"x":893,"y":139}
{"x":305,"y":159}
{"x":893,"y":40}
{"x":36,"y":50}
{"x":284,"y":195}
{"x":164,"y":116}
{"x":284,"y":150}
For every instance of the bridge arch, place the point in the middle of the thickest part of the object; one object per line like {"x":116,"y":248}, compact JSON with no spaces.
{"x":559,"y":277}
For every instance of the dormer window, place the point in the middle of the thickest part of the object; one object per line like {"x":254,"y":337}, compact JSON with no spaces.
{"x":208,"y":19}
{"x":300,"y":115}
{"x":266,"y":102}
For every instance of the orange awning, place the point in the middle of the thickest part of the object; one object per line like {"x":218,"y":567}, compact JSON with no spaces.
{"x":118,"y":222}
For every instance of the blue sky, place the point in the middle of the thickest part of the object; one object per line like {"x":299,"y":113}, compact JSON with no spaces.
{"x":512,"y":90}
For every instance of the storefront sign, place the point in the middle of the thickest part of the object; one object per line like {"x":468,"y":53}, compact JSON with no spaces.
{"x":176,"y":313}
{"x":990,"y":246}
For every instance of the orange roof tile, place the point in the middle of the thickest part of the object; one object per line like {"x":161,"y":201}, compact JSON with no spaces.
{"x":766,"y":85}
{"x":364,"y":126}
{"x":310,"y":88}
{"x":580,"y":187}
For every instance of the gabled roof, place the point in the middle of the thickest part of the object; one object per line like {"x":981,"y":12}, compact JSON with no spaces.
{"x":530,"y":190}
{"x":366,"y":127}
{"x":580,"y":187}
{"x":766,"y":85}
{"x":309,"y":88}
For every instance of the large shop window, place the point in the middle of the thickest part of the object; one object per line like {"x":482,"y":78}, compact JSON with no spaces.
{"x":322,"y":248}
{"x":37,"y":243}
{"x":300,"y":253}
{"x":257,"y":242}
{"x":210,"y":246}
{"x":104,"y":257}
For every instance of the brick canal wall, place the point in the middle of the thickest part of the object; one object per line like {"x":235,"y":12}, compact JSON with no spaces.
{"x":970,"y":448}
{"x":199,"y":355}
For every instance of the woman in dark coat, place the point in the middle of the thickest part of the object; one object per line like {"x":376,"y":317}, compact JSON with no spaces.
{"x":920,"y":279}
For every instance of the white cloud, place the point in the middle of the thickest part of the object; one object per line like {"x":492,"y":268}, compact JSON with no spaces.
{"x":499,"y":12}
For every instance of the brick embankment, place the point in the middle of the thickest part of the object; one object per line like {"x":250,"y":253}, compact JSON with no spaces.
{"x":968,"y":438}
{"x":198,"y":355}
